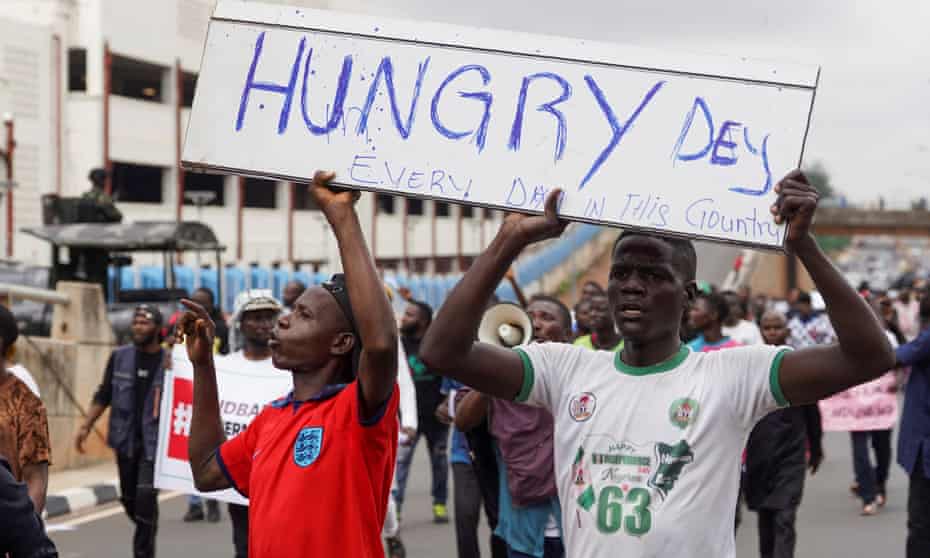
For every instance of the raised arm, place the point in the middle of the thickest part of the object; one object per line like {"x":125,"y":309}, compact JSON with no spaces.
{"x":373,"y":314}
{"x":206,"y":433}
{"x":449,"y":347}
{"x":471,"y":410}
{"x":863,"y":352}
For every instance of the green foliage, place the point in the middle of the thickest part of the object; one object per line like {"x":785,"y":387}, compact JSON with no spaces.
{"x":819,"y":177}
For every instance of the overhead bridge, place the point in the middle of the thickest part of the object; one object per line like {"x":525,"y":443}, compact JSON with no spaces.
{"x":841,"y":221}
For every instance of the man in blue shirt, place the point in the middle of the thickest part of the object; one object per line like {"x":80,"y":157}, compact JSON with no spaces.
{"x":914,"y":440}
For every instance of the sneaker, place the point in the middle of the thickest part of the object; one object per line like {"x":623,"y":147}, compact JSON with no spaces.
{"x":396,"y":548}
{"x":194,"y":513}
{"x":440,"y":514}
{"x":869,"y":509}
{"x":213,"y":511}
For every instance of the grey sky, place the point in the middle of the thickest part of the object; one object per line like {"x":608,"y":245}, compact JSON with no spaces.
{"x":871,"y":125}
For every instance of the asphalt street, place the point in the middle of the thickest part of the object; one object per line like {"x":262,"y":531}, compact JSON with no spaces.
{"x":829,"y":524}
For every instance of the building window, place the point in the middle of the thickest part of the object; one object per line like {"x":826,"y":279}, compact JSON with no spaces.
{"x":77,"y":69}
{"x":188,"y":85}
{"x":303,"y":201}
{"x":260,"y":193}
{"x":414,"y":206}
{"x":385,"y":204}
{"x":442,"y":209}
{"x":468,"y":212}
{"x":201,"y":185}
{"x":137,"y":183}
{"x":137,"y":79}
{"x":443,"y":264}
{"x":418,"y":265}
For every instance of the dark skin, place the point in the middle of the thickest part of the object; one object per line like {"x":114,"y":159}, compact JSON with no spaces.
{"x":548,"y":326}
{"x":256,"y":327}
{"x":582,"y":316}
{"x":145,"y":338}
{"x":604,"y":334}
{"x":648,"y":296}
{"x":413,"y":322}
{"x":314,"y":342}
{"x":735,"y":302}
{"x":292,"y":291}
{"x":705,"y":319}
{"x":775,"y":331}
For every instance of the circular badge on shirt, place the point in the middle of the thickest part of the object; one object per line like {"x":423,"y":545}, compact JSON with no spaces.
{"x":683,"y":412}
{"x":581,"y":407}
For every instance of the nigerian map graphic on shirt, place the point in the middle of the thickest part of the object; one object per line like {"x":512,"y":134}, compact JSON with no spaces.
{"x":649,"y":464}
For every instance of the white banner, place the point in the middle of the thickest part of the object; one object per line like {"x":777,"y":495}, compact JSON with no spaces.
{"x":244,"y":388}
{"x":683,"y":144}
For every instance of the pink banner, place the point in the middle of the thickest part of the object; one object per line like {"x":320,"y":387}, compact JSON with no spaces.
{"x":870,"y":406}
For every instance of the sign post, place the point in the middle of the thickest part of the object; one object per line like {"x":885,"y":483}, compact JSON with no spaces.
{"x":674,"y":143}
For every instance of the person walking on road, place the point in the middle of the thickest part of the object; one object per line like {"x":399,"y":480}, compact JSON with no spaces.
{"x":648,"y":439}
{"x":413,"y":326}
{"x":24,"y":434}
{"x":131,"y":388}
{"x":914,"y":440}
{"x":316,"y":465}
{"x":776,"y":461}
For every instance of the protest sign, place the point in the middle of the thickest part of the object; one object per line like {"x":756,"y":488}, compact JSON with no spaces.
{"x":676,"y":143}
{"x":244,"y":389}
{"x":870,"y":406}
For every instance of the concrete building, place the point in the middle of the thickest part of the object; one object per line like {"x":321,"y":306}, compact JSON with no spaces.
{"x":109,"y":83}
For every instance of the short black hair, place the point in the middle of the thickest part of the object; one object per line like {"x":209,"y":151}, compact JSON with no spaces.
{"x":804,"y":297}
{"x":718,"y":303}
{"x":684,"y":259}
{"x":205,"y":290}
{"x":564,"y":313}
{"x":924,"y":311}
{"x":425,"y":309}
{"x":9,"y":330}
{"x":743,"y":306}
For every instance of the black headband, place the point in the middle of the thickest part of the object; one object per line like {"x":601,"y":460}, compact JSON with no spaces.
{"x":336,"y":286}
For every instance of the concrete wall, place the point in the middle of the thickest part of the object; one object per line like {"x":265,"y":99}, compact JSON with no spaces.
{"x":68,"y":368}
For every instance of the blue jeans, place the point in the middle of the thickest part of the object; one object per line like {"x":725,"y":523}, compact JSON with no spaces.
{"x":552,"y":548}
{"x":437,"y":440}
{"x":871,"y":480}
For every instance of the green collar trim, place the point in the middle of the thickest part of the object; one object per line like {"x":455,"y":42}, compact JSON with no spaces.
{"x":668,"y":364}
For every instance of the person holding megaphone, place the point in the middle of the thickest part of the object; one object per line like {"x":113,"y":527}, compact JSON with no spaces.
{"x":529,"y":513}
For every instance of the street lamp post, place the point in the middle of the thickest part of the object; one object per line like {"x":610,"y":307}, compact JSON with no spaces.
{"x":6,"y":155}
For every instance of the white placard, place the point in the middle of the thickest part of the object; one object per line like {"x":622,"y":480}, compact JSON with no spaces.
{"x":243,"y":391}
{"x":677,"y":143}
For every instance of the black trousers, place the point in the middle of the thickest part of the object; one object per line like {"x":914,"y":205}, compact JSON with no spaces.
{"x":468,"y":500}
{"x":140,"y":500}
{"x":777,"y":536}
{"x":240,"y":529}
{"x":918,"y":513}
{"x":871,"y":480}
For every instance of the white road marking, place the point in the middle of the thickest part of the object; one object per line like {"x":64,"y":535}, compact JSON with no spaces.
{"x":69,"y":525}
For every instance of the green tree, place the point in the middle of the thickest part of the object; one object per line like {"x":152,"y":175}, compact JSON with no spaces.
{"x":820,"y":178}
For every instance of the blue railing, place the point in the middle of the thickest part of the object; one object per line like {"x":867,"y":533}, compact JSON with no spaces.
{"x":431,"y":289}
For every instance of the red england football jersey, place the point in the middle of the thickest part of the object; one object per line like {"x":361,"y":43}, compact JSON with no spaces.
{"x":317,"y":477}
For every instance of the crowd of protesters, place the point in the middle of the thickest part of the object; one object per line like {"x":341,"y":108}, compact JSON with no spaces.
{"x":514,"y":425}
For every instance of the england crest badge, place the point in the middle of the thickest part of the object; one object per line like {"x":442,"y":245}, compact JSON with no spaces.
{"x":308,"y":445}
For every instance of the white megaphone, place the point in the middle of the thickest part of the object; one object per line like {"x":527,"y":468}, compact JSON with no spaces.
{"x":505,"y":325}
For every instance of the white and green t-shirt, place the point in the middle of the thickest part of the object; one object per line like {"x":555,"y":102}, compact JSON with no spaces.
{"x":647,"y":460}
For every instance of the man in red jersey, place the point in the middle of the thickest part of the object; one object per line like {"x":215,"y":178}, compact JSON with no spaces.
{"x":316,"y":465}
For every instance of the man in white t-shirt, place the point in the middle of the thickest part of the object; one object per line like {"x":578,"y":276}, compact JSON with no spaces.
{"x":648,"y":439}
{"x":736,"y":326}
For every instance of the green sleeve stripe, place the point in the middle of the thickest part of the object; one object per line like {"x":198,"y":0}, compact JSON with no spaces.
{"x":529,"y":376}
{"x":775,"y":382}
